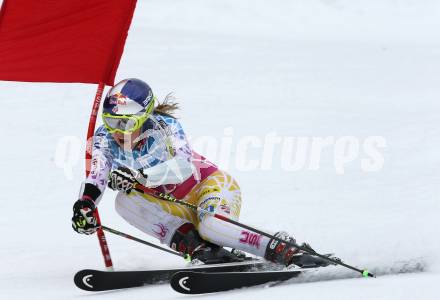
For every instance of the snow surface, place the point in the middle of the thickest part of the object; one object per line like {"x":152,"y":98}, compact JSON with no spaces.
{"x":298,"y":68}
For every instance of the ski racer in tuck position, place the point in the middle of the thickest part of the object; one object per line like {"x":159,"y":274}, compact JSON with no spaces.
{"x":142,"y":135}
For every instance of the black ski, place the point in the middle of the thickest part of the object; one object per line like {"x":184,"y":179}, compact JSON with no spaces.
{"x":94,"y":280}
{"x":193,"y":282}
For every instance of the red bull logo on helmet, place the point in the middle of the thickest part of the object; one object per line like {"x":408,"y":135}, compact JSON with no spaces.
{"x":118,"y":99}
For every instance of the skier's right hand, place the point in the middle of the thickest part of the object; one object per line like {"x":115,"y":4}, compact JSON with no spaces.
{"x":83,"y":220}
{"x":121,"y":179}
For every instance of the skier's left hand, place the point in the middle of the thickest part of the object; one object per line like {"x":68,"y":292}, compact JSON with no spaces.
{"x":121,"y":179}
{"x":83,"y":220}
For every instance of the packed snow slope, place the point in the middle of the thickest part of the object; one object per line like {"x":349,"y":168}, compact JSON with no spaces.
{"x":294,"y":68}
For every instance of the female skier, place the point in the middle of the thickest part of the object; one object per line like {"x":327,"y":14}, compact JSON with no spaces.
{"x":140,"y":136}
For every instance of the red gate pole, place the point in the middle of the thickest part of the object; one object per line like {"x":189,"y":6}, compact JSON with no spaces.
{"x":91,"y":130}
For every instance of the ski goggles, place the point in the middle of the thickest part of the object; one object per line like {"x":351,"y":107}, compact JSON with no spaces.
{"x":126,"y":123}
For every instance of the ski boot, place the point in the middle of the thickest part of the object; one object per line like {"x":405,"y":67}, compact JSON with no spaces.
{"x":212,"y":254}
{"x":187,"y":241}
{"x":305,"y":259}
{"x":287,"y":255}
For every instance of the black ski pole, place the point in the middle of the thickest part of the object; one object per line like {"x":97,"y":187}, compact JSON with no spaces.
{"x":133,"y":238}
{"x":169,"y":198}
